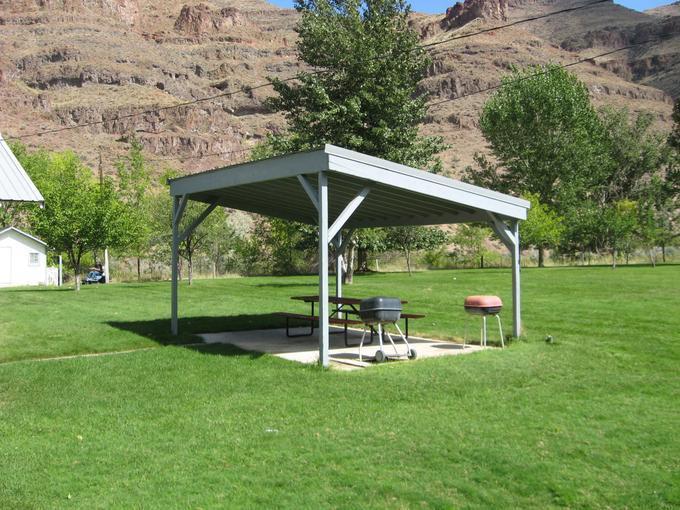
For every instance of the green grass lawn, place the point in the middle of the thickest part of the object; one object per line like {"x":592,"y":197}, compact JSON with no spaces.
{"x":588,"y":422}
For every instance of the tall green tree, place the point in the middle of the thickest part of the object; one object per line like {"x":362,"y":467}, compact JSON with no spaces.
{"x":134,"y":186}
{"x":363,"y":94}
{"x":544,"y":132}
{"x":81,"y":214}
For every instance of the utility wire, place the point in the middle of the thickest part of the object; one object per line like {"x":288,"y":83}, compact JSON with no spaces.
{"x":482,"y":91}
{"x":513,"y":23}
{"x":247,"y":89}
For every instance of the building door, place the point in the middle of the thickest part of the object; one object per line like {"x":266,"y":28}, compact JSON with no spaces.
{"x":5,"y":265}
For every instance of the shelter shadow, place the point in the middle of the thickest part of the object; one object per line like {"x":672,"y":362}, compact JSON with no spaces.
{"x":158,"y":330}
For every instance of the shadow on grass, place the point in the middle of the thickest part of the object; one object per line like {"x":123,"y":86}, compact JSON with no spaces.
{"x":285,"y":285}
{"x":158,"y":330}
{"x":223,"y":350}
{"x":38,"y":289}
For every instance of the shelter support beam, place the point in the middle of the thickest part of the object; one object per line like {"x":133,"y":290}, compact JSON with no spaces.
{"x":309,"y":189}
{"x":197,"y":221}
{"x":347,"y":212}
{"x":323,"y":270}
{"x":509,"y":234}
{"x":179,"y":204}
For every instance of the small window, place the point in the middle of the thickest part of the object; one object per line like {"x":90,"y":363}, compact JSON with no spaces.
{"x":33,"y":259}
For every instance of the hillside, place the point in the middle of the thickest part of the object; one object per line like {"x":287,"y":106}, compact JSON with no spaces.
{"x":67,"y":62}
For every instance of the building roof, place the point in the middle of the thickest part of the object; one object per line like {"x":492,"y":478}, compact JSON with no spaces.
{"x":23,"y":234}
{"x":15,"y":184}
{"x":398,"y":195}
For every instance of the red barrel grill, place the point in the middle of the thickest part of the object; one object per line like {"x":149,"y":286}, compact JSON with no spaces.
{"x":484,"y":306}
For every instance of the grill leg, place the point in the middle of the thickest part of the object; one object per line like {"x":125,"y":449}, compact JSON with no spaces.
{"x":389,"y":337}
{"x":361,"y":344}
{"x":405,"y":339}
{"x":380,"y":336}
{"x":467,"y":319}
{"x":500,"y":329}
{"x":484,"y":329}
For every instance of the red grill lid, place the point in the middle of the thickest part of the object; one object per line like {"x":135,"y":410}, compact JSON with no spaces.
{"x":483,"y":302}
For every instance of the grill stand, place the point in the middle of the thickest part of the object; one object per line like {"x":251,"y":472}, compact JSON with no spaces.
{"x":483,"y":334}
{"x":380,"y":354}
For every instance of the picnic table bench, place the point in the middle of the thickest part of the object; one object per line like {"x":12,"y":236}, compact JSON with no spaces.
{"x":345,"y":305}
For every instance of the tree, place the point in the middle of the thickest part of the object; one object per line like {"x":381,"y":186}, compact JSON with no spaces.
{"x":543,"y":227}
{"x":674,"y":137}
{"x":469,"y":242}
{"x":80,"y":214}
{"x":544,"y":133}
{"x":635,"y":156}
{"x":134,"y":181}
{"x":365,"y":95}
{"x":618,"y":223}
{"x":409,"y":239}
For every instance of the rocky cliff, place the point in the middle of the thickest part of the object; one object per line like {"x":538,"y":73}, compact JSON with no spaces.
{"x":67,"y":62}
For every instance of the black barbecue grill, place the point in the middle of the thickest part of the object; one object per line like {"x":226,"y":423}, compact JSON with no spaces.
{"x":378,"y":312}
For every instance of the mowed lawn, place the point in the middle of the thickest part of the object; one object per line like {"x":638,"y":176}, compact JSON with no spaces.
{"x":590,"y":421}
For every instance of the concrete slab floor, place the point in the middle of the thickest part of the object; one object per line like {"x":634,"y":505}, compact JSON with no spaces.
{"x":305,"y":349}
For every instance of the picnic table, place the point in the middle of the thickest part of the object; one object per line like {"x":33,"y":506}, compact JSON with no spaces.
{"x":347,"y":305}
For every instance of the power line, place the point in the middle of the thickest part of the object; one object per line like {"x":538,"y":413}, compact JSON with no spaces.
{"x":247,"y":89}
{"x":514,"y":23}
{"x":564,"y":66}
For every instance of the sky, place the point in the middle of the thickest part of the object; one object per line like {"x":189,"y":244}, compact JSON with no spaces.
{"x":439,"y":6}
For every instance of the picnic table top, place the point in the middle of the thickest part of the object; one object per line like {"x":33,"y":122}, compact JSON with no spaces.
{"x":333,"y":299}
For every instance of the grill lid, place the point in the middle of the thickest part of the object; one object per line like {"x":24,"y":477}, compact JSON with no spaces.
{"x":380,"y":303}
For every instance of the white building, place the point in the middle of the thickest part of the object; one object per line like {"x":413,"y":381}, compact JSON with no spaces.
{"x":23,"y":259}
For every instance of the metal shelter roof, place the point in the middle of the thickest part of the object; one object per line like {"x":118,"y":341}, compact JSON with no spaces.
{"x":394,"y":194}
{"x":15,"y":184}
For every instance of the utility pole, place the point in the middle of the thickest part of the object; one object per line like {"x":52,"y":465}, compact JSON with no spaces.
{"x":107,"y":279}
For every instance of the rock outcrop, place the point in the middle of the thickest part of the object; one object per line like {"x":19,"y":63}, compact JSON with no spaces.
{"x":463,"y":13}
{"x":198,"y":20}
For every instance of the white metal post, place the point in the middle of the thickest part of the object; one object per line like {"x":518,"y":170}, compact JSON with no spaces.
{"x":323,"y":270}
{"x":107,"y":277}
{"x":174,"y":324}
{"x":338,"y":265}
{"x":60,"y":277}
{"x":516,"y":301}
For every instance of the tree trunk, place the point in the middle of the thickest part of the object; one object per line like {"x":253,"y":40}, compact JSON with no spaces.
{"x":190,"y":269}
{"x":78,"y":280}
{"x":139,"y":269}
{"x":408,"y":261}
{"x":214,"y":269}
{"x":348,"y":276}
{"x":541,"y":257}
{"x":362,"y":260}
{"x":614,"y":258}
{"x":481,"y":261}
{"x":663,"y":252}
{"x":652,"y":257}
